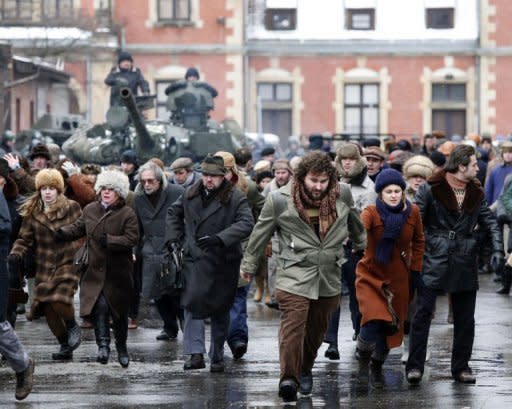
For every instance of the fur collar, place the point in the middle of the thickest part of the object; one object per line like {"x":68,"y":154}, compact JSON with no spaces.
{"x":223,"y":194}
{"x":442,"y":191}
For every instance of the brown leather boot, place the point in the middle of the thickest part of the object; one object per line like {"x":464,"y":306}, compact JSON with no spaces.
{"x":258,"y":295}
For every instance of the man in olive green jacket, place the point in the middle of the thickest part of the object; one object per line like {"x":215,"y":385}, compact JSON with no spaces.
{"x":312,"y":216}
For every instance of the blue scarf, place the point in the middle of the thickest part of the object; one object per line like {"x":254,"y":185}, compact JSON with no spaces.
{"x":394,"y":218}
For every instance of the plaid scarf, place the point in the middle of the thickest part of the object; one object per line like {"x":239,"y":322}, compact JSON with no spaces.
{"x":326,"y":206}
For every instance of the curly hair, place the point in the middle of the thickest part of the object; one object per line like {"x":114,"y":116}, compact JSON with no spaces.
{"x":460,"y":155}
{"x":316,"y":163}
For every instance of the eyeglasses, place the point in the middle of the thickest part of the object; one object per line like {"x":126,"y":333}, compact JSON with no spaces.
{"x":147,"y":181}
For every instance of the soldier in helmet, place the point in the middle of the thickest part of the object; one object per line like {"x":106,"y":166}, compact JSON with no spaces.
{"x":127,"y":75}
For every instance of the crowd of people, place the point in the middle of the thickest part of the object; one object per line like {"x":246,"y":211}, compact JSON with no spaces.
{"x":391,"y":224}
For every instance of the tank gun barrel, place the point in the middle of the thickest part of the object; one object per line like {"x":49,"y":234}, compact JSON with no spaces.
{"x":144,"y":141}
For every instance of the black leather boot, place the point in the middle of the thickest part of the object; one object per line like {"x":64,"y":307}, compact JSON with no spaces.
{"x":120,"y":327}
{"x":376,"y":375}
{"x":74,"y":334}
{"x":65,"y":352}
{"x":506,"y":281}
{"x":102,"y":334}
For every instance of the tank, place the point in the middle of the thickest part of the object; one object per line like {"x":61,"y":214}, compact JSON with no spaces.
{"x":189,"y":132}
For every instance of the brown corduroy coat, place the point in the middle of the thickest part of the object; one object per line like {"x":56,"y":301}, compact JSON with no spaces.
{"x":372,"y":276}
{"x":110,"y":270}
{"x":55,"y":280}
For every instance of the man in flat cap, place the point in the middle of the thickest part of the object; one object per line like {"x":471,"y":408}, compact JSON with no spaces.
{"x":375,"y":158}
{"x":183,"y":172}
{"x":209,"y":222}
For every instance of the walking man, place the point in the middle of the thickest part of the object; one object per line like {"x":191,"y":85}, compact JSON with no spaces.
{"x":452,"y":204}
{"x":208,"y":222}
{"x":313,"y":215}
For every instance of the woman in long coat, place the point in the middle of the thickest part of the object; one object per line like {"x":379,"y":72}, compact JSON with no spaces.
{"x":55,"y":280}
{"x":395,"y":249}
{"x":106,"y":287}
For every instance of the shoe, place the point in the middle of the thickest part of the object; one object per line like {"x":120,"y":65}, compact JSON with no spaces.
{"x":65,"y":352}
{"x":166,"y":336}
{"x":258,"y":294}
{"x":465,"y":377}
{"x":122,"y":355}
{"x":273,"y":304}
{"x":133,"y":323}
{"x":217,"y":367}
{"x":405,"y":350}
{"x":414,"y":376}
{"x":86,"y":324}
{"x":377,"y":379}
{"x":288,"y":390}
{"x":74,"y":334}
{"x":332,"y":352}
{"x":24,"y":381}
{"x":195,"y":361}
{"x":306,"y":383}
{"x":103,"y":354}
{"x":239,"y":349}
{"x":20,"y":309}
{"x":268,"y":299}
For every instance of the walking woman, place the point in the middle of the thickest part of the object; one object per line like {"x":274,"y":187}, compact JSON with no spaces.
{"x":395,"y":248}
{"x":55,"y":281}
{"x":106,"y":286}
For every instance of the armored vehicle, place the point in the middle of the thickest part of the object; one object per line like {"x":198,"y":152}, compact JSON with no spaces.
{"x":189,"y":132}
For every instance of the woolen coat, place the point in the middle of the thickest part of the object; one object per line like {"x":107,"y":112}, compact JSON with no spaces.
{"x":373,"y":277}
{"x":211,"y":276}
{"x":55,"y":278}
{"x":152,"y":231}
{"x":110,"y":269}
{"x":452,"y":245}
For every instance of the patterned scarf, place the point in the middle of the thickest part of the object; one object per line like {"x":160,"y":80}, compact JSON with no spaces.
{"x":394,"y":218}
{"x":326,"y":206}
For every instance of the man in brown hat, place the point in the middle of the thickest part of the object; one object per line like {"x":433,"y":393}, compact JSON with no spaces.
{"x":375,"y":158}
{"x":183,"y":173}
{"x":209,"y":221}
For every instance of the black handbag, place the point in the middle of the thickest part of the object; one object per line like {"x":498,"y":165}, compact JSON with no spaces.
{"x":81,"y":259}
{"x":170,"y":276}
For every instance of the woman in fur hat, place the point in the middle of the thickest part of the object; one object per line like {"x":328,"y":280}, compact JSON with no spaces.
{"x":416,"y":171}
{"x":55,"y":280}
{"x":106,"y":287}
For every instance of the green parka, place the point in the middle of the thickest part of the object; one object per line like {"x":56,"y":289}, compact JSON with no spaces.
{"x":306,"y":266}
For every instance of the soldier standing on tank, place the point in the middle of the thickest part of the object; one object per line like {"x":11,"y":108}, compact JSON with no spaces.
{"x":125,"y":74}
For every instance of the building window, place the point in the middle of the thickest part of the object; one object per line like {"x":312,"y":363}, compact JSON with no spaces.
{"x":16,"y":9}
{"x":173,"y":10}
{"x":55,"y":9}
{"x":449,"y":108}
{"x":276,"y":108}
{"x":440,"y":18}
{"x":161,"y":99}
{"x":360,"y":19}
{"x":361,"y":108}
{"x":280,"y":19}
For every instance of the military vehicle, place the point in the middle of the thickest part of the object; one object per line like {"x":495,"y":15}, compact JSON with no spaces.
{"x":189,"y":132}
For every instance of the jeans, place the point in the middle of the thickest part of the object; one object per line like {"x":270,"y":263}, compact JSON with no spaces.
{"x":238,"y":330}
{"x":11,"y":348}
{"x":303,"y":325}
{"x":463,"y":304}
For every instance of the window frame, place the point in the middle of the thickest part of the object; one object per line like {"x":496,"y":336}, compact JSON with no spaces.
{"x":174,"y":19}
{"x":351,"y":12}
{"x":448,"y":105}
{"x":270,"y":107}
{"x":58,"y":10}
{"x":361,"y":106}
{"x":430,"y":18}
{"x":269,"y":14}
{"x":19,"y":6}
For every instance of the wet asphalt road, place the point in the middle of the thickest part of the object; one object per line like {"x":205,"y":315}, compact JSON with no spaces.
{"x":155,"y":377}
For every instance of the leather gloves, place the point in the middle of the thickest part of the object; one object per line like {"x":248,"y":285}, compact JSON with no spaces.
{"x":59,"y":236}
{"x":103,"y":241}
{"x":208,"y":242}
{"x":497,"y":261}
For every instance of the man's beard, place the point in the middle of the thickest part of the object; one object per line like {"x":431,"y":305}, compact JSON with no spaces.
{"x":310,"y":194}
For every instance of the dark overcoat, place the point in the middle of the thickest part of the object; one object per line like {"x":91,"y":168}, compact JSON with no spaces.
{"x":55,"y":279}
{"x":211,"y":276}
{"x":372,"y":277}
{"x":110,"y":269}
{"x":152,"y":231}
{"x":451,"y":247}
